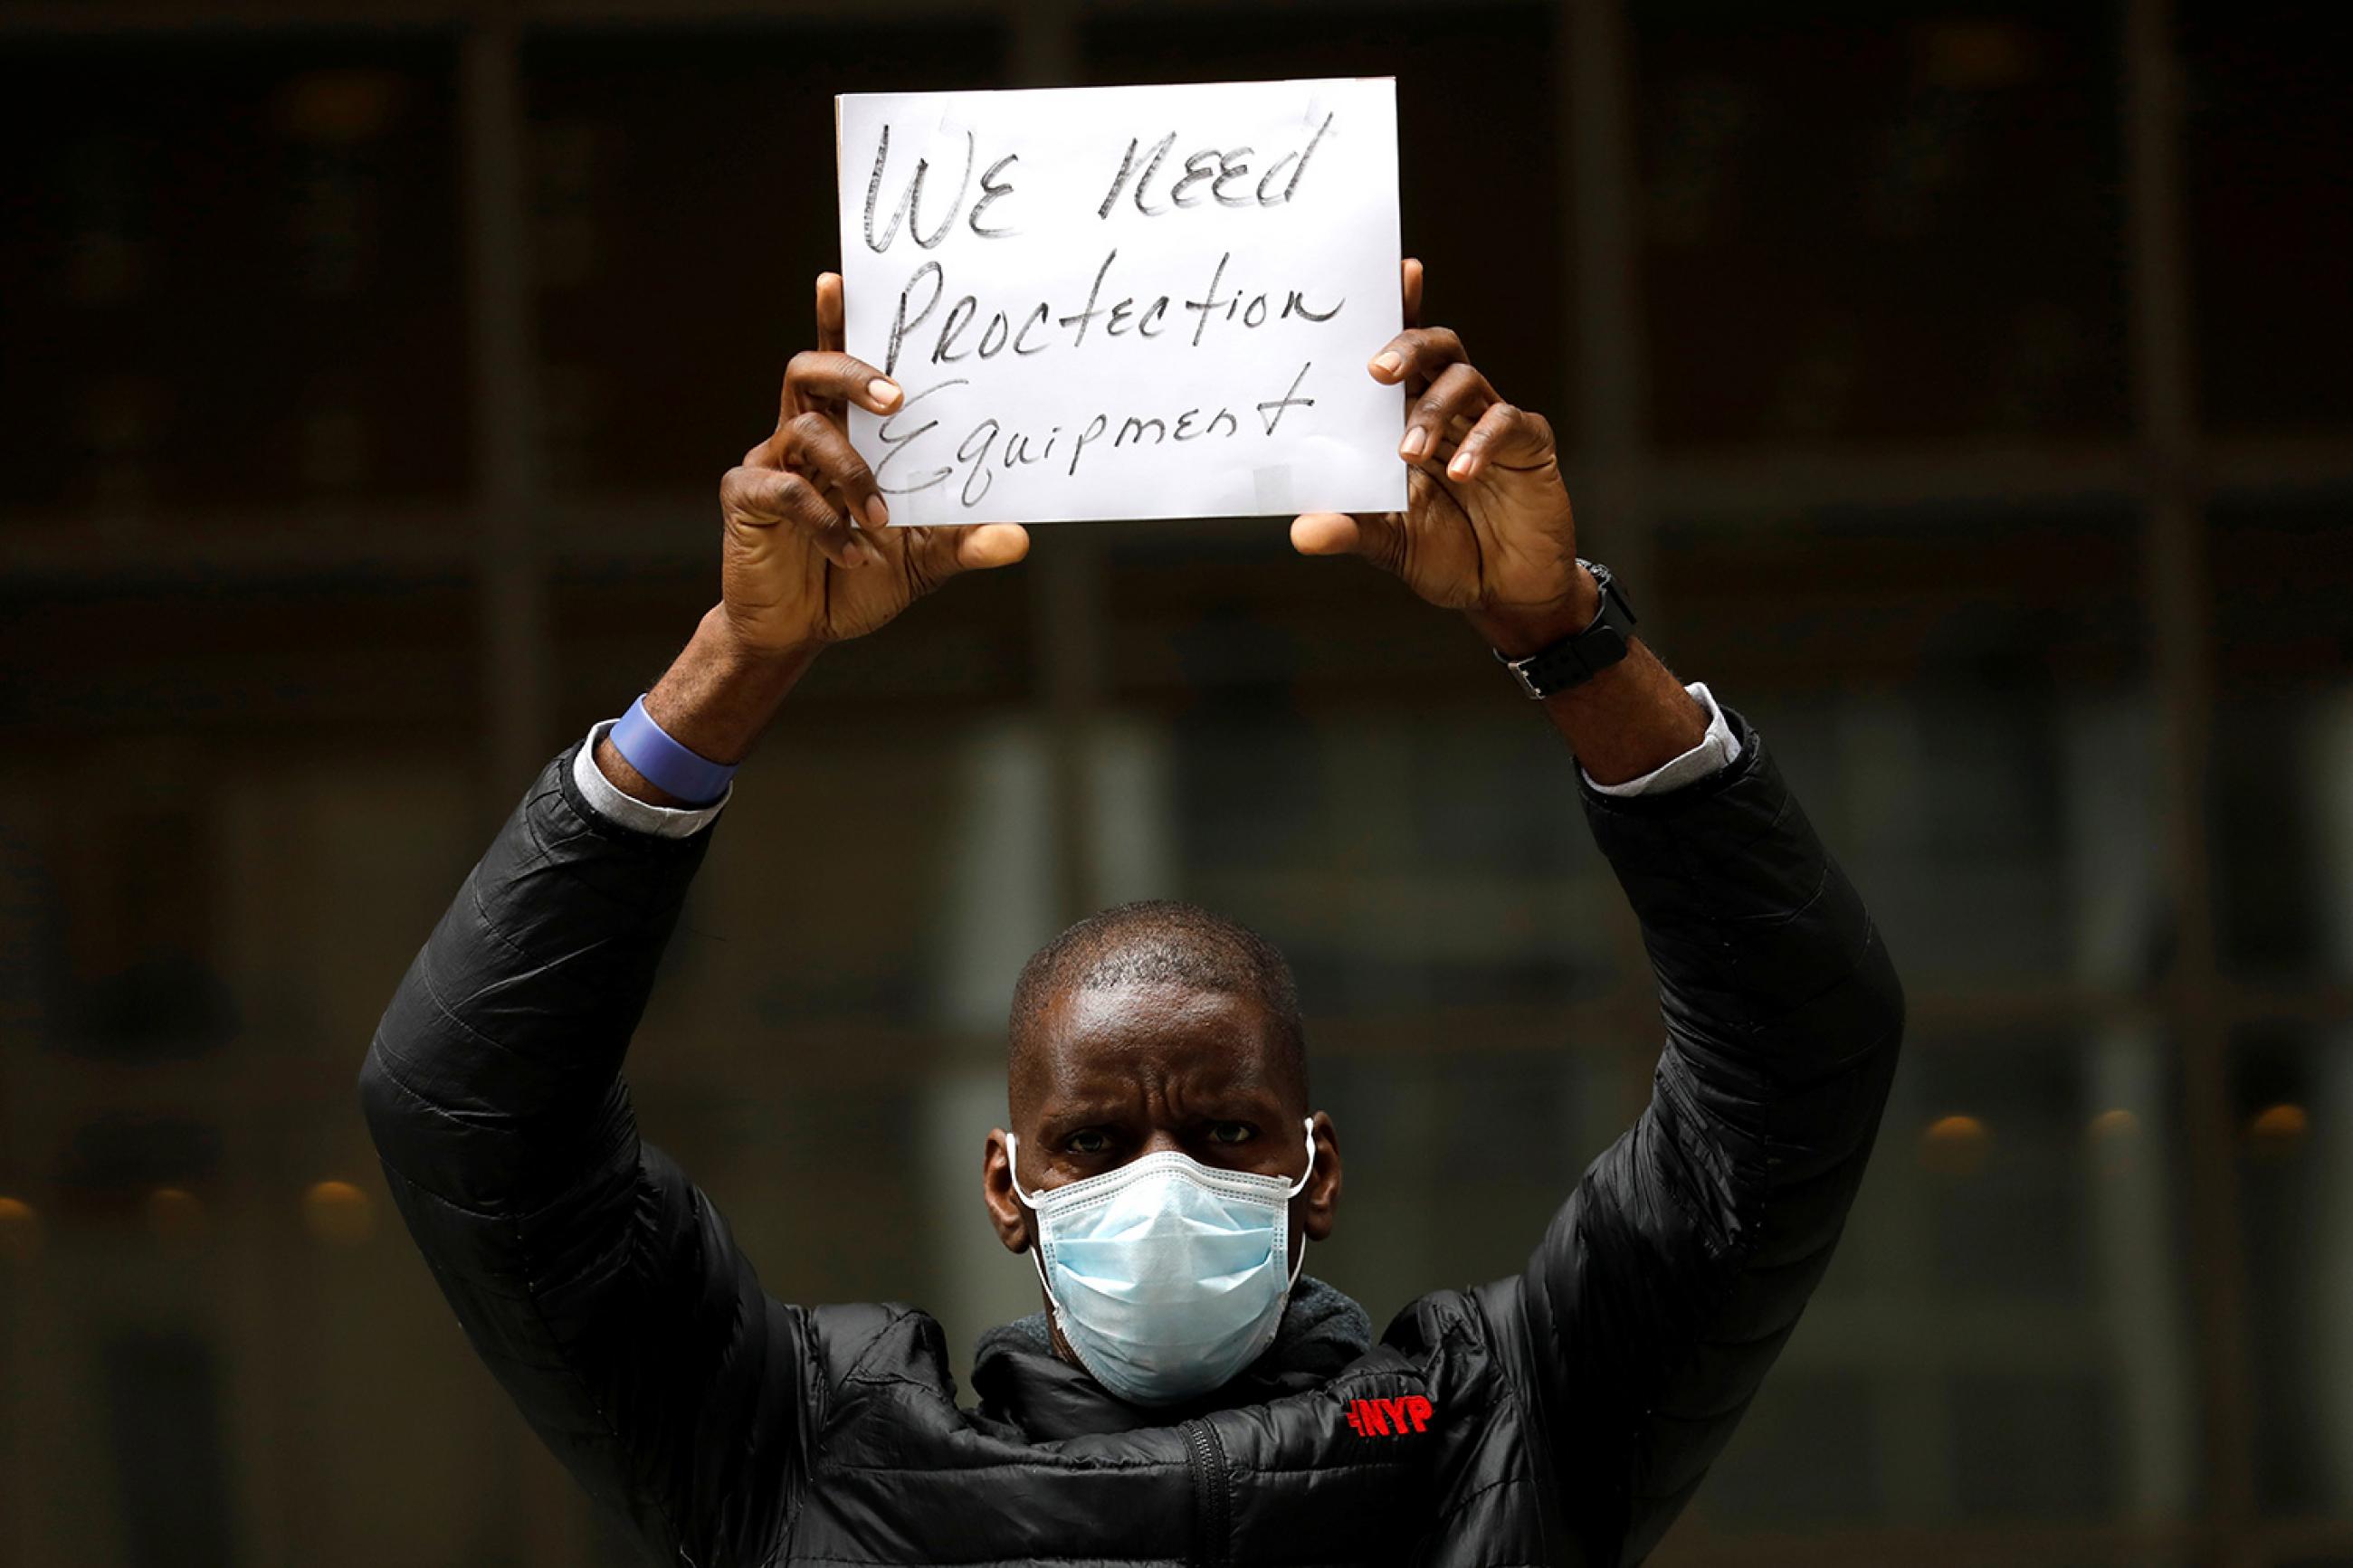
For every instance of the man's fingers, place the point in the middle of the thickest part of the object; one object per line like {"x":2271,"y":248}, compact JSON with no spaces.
{"x":1506,"y":436}
{"x":778,"y":498}
{"x":1410,"y":275}
{"x":819,"y":378}
{"x":1415,"y":356}
{"x":1379,"y":537}
{"x":1458,"y":396}
{"x":813,"y":446}
{"x":831,"y":333}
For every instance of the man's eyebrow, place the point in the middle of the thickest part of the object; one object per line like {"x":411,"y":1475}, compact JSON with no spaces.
{"x":1241,"y":1105}
{"x":1074,"y":1111}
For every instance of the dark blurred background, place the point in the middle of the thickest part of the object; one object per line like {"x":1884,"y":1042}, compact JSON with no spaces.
{"x":1960,"y":387}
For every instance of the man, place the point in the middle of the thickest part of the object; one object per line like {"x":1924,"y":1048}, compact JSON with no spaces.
{"x":1187,"y":1394}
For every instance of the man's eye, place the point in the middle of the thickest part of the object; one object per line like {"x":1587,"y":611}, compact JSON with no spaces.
{"x":1231,"y":1133}
{"x":1087,"y":1142}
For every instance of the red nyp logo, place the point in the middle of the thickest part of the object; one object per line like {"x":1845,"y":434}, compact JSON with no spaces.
{"x":1388,"y":1417}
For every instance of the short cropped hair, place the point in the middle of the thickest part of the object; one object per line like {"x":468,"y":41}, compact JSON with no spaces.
{"x":1165,"y":941}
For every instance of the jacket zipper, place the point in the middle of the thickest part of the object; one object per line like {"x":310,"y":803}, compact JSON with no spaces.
{"x":1212,"y":1496}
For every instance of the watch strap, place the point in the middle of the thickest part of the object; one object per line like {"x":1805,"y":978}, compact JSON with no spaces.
{"x":1581,"y":655}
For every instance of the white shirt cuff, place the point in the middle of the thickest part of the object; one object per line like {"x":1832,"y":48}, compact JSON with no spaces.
{"x":1719,"y":749}
{"x":605,"y":798}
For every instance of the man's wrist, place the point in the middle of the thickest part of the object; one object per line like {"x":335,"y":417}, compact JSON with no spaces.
{"x":721,"y":691}
{"x":1623,"y":722}
{"x":728,"y":639}
{"x":717,"y":697}
{"x":1516,"y":631}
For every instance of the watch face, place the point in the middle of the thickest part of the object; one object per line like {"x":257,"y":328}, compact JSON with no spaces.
{"x":1613,"y":598}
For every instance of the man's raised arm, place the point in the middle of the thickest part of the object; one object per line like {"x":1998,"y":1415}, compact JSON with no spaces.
{"x":1669,"y":1281}
{"x":1667,"y":1284}
{"x":593,"y":1278}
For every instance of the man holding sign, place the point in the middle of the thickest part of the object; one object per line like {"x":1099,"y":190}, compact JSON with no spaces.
{"x":1186,"y":1393}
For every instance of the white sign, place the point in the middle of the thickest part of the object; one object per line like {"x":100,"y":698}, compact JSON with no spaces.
{"x":1125,"y":303}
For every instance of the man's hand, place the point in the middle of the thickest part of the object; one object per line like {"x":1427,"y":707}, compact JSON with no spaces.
{"x":809,"y":557}
{"x":1487,"y":528}
{"x":1487,"y":531}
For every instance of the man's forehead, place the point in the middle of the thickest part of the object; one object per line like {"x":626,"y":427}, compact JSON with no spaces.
{"x":1093,"y":1037}
{"x":1140,"y":1009}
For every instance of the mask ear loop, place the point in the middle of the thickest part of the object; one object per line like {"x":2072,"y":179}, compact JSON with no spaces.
{"x":1038,"y":1247}
{"x":1013,"y":1173}
{"x":1296,"y":1188}
{"x":1300,"y":1185}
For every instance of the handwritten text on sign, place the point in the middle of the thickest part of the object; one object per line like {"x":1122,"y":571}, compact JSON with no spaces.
{"x":1125,"y":303}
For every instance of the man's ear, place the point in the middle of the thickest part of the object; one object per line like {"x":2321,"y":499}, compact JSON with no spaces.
{"x":1008,"y":1214}
{"x":1319,"y":1201}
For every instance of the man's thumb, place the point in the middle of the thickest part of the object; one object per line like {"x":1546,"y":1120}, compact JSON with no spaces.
{"x":942,"y":552}
{"x":1379,"y":537}
{"x":991,"y":544}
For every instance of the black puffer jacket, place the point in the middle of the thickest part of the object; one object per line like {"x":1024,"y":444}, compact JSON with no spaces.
{"x":1561,"y":1415}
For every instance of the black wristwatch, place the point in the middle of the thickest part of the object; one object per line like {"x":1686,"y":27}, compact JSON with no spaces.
{"x":1580,"y":656}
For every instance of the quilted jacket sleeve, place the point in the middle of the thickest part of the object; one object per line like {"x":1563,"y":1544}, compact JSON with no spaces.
{"x":1668,"y":1282}
{"x":594,"y":1280}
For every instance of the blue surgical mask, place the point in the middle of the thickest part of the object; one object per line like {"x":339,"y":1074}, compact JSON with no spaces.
{"x":1167,"y":1277}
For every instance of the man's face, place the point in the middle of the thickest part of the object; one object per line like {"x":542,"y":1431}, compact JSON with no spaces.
{"x":1108,"y":1074}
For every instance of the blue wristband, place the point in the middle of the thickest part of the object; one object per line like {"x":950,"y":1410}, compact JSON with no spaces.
{"x":666,"y":765}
